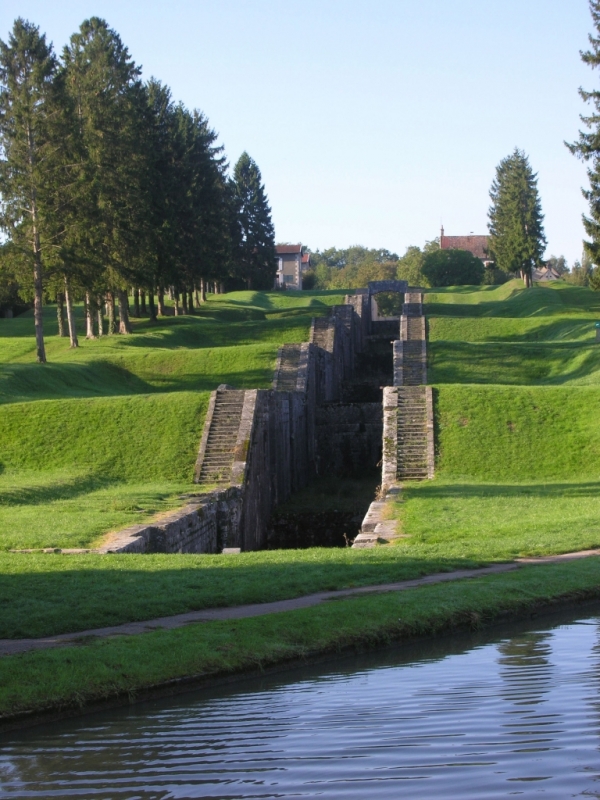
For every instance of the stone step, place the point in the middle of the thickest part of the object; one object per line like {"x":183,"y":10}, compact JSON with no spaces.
{"x":222,"y":436}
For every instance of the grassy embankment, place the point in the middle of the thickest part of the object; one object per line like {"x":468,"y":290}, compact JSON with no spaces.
{"x":517,"y":386}
{"x":516,"y":474}
{"x":106,"y":435}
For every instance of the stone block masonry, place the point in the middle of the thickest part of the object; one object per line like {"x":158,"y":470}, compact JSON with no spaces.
{"x":348,"y":438}
{"x":201,"y":526}
{"x":259,"y":445}
{"x":408,"y":435}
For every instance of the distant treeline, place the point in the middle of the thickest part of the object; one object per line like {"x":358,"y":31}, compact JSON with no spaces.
{"x":111,"y":189}
{"x":356,"y":266}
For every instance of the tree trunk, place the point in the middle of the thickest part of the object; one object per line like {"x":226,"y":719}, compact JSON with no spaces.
{"x":110,"y":308}
{"x":202,"y":290}
{"x":151,"y":306}
{"x":191,"y":301}
{"x":196,"y":298}
{"x":38,"y":303}
{"x":161,"y":301}
{"x":124,"y":324}
{"x":184,"y":302}
{"x":89,"y":317}
{"x":143,"y":302}
{"x":60,"y":313}
{"x":100,"y":316}
{"x":70,"y":316}
{"x":221,"y":288}
{"x":136,"y":303}
{"x":175,"y":296}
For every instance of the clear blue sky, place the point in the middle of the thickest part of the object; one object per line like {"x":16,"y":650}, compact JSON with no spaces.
{"x":371,"y":121}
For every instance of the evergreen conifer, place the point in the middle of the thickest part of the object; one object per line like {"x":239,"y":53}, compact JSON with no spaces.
{"x":588,"y":145}
{"x":28,"y":69}
{"x":254,"y":250}
{"x":517,"y":240}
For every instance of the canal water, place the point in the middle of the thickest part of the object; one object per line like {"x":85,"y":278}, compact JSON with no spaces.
{"x":513,"y":715}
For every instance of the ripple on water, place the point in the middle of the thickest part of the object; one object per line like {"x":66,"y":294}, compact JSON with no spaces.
{"x":517,"y":717}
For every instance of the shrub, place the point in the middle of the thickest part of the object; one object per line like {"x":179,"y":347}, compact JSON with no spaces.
{"x":452,"y":268}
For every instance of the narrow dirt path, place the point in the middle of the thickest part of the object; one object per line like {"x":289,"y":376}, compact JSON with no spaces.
{"x":10,"y":647}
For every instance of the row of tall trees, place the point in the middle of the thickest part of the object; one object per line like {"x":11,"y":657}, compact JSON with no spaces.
{"x":109,"y":187}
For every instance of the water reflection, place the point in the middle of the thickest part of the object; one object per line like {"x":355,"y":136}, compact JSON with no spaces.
{"x":471,"y":719}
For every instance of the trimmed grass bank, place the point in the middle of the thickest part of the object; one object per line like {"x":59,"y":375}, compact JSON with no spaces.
{"x":71,"y":470}
{"x":517,"y":474}
{"x":106,"y":435}
{"x":69,"y":679}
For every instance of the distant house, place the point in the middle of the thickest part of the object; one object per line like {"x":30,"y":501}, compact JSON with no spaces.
{"x":545,"y":274}
{"x":290,"y":259}
{"x":306,"y":262}
{"x":477,"y":245}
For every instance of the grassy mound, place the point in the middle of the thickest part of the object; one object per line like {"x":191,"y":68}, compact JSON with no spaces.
{"x":71,"y":470}
{"x":511,"y":335}
{"x":106,"y":435}
{"x":518,"y":459}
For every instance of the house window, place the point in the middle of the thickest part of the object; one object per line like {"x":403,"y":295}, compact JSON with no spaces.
{"x":289,"y":278}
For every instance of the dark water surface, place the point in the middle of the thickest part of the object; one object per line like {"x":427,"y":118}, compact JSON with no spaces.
{"x":513,"y":715}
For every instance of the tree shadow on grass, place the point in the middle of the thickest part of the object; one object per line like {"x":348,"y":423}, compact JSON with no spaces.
{"x":488,"y":490}
{"x":93,"y":379}
{"x":518,"y":363}
{"x":94,"y":591}
{"x":60,"y":489}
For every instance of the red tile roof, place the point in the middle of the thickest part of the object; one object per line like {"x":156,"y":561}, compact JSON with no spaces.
{"x":474,"y":244}
{"x":306,"y":258}
{"x":287,"y":249}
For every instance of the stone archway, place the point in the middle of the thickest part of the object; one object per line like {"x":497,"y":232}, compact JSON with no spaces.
{"x":385,"y":287}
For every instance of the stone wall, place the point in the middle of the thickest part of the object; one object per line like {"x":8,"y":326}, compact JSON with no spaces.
{"x":280,"y":444}
{"x":204,"y":525}
{"x":348,"y":438}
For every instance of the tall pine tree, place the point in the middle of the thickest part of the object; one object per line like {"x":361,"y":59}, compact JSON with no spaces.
{"x":28,"y":107}
{"x":517,"y":240}
{"x":588,"y":146}
{"x":112,"y":112}
{"x":254,"y":244}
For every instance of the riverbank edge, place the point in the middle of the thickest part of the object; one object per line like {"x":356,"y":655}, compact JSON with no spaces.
{"x":79,"y":680}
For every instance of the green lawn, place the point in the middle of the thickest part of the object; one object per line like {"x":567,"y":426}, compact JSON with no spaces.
{"x":106,"y":435}
{"x":518,"y":459}
{"x":517,"y":473}
{"x":72,"y":677}
{"x":517,"y":466}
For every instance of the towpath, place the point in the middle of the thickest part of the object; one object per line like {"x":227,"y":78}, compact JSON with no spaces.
{"x":14,"y":646}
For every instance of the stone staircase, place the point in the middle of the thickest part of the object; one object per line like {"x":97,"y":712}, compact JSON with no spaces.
{"x":413,"y":304}
{"x":412,"y":363}
{"x":286,"y":377}
{"x":218,"y":448}
{"x":322,"y":333}
{"x":410,"y":353}
{"x":412,"y":439}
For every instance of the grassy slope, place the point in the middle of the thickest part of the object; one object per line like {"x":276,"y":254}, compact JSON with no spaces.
{"x":71,"y":677}
{"x":71,"y":470}
{"x":106,"y":435}
{"x":516,"y":474}
{"x":490,"y":438}
{"x":511,"y":335}
{"x":518,"y":466}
